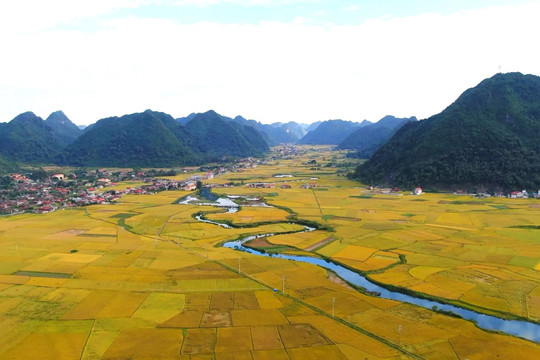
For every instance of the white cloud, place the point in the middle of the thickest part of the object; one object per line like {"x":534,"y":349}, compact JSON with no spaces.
{"x":238,"y":2}
{"x":269,"y":71}
{"x":34,"y":15}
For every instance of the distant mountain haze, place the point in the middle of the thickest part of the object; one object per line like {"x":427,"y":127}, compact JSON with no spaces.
{"x":273,"y":134}
{"x":368,"y":139}
{"x":331,"y":132}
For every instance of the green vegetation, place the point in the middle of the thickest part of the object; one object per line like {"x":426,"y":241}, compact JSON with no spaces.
{"x":148,"y":139}
{"x":7,"y":166}
{"x":27,"y":139}
{"x":214,"y":137}
{"x":488,"y":138}
{"x":535,"y":227}
{"x":64,"y":130}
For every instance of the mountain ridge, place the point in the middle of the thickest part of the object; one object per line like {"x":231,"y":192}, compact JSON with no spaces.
{"x":64,"y":129}
{"x":368,"y":139}
{"x":487,"y":138}
{"x":331,"y":132}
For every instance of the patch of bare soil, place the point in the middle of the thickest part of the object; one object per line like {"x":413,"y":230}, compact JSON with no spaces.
{"x":320,"y":243}
{"x":334,"y":278}
{"x":259,"y":243}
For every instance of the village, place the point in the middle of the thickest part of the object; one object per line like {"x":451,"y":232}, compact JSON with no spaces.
{"x":22,"y":193}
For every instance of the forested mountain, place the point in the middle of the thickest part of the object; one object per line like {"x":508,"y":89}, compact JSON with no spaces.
{"x":142,"y":139}
{"x":489,"y":137}
{"x":27,"y":139}
{"x":184,"y":120}
{"x":64,"y":130}
{"x":7,"y":166}
{"x":216,"y":137}
{"x":368,"y":139}
{"x":331,"y":132}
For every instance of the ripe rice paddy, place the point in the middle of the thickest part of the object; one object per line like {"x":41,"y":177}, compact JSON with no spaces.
{"x":144,"y":279}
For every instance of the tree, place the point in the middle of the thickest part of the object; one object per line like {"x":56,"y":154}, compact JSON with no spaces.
{"x":39,"y":174}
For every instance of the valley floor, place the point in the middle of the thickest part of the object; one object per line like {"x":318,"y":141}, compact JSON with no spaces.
{"x":144,"y":279}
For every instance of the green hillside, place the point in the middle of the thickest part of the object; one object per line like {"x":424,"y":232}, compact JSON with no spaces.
{"x":64,"y":130}
{"x":142,"y":139}
{"x":215,"y":137}
{"x":488,"y":138}
{"x":28,"y":139}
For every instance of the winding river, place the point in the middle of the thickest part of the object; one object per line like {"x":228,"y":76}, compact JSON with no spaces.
{"x":523,"y":329}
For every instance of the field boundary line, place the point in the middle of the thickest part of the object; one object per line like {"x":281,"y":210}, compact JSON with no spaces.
{"x":324,"y":313}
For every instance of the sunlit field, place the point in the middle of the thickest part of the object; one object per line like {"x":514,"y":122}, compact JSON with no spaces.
{"x":144,"y":279}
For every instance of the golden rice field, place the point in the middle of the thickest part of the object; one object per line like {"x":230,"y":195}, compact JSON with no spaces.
{"x":143,"y":279}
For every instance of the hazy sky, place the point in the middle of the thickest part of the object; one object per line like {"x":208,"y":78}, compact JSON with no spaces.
{"x":268,"y":60}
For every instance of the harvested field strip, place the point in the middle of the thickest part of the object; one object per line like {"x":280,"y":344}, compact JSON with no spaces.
{"x":320,"y":243}
{"x":97,"y":235}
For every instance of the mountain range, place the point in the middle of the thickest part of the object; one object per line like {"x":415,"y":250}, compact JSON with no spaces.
{"x":146,"y":139}
{"x":150,"y":138}
{"x":143,"y":139}
{"x":487,"y":139}
{"x":331,"y":132}
{"x":366,"y":140}
{"x":153,"y":139}
{"x":27,"y":138}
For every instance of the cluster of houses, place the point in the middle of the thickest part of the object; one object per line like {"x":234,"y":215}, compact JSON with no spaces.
{"x":27,"y":195}
{"x":263,"y":185}
{"x":56,"y":192}
{"x":287,"y":151}
{"x":523,"y":194}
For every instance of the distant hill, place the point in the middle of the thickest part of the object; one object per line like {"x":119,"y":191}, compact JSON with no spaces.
{"x":368,"y":139}
{"x":216,"y":137}
{"x":489,"y":137}
{"x":147,"y":139}
{"x":312,"y":126}
{"x":64,"y":130}
{"x":274,"y":134}
{"x":27,"y":138}
{"x":142,"y":139}
{"x":184,"y":120}
{"x":331,"y":132}
{"x":297,"y":130}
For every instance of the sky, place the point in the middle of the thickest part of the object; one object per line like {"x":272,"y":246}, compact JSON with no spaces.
{"x":268,"y":60}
